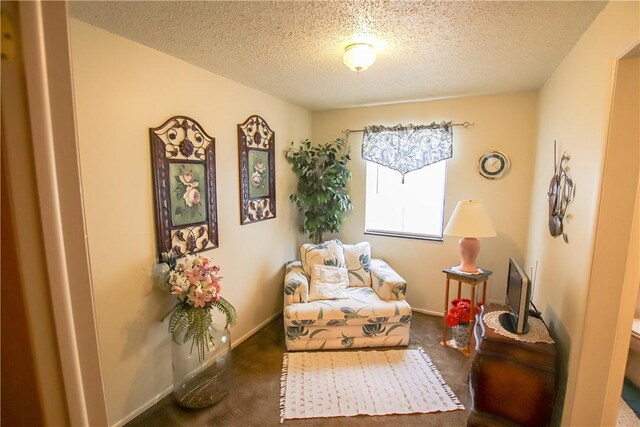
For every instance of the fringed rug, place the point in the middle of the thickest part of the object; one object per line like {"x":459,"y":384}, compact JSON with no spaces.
{"x":344,"y":384}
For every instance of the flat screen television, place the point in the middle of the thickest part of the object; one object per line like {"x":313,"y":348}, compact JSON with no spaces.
{"x":518,"y":299}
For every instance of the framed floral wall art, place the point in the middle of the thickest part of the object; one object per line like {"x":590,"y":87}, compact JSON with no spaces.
{"x":184,"y":177}
{"x":256,"y":148}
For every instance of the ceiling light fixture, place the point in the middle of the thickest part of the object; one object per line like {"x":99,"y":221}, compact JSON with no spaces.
{"x":359,"y":56}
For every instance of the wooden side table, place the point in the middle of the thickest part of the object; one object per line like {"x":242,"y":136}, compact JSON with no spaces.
{"x":470,"y":279}
{"x":511,"y":382}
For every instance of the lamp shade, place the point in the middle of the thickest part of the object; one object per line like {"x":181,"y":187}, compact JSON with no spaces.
{"x":470,"y":219}
{"x":359,"y":56}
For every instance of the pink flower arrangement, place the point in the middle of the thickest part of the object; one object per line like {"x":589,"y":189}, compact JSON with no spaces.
{"x":460,"y":312}
{"x":196,"y":282}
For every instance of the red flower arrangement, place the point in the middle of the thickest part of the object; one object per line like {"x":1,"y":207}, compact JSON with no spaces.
{"x":460,"y":312}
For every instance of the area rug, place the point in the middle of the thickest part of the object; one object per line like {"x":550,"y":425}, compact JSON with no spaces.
{"x":345,"y":383}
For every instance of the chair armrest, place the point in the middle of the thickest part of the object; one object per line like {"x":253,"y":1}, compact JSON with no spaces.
{"x":296,"y":284}
{"x":386,"y":282}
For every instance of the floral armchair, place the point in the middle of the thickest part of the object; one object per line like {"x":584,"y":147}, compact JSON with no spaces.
{"x":337,"y":297}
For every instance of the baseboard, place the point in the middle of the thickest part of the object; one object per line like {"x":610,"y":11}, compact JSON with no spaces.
{"x":441,"y":314}
{"x":424,"y":311}
{"x":235,"y":342}
{"x":493,"y":302}
{"x":158,"y":397}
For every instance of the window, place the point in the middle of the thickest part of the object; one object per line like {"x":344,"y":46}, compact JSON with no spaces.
{"x":413,"y":209}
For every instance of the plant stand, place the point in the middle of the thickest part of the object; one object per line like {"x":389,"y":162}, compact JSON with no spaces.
{"x":472,"y":280}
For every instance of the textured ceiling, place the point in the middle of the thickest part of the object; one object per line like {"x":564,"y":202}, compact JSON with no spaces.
{"x":293,"y":49}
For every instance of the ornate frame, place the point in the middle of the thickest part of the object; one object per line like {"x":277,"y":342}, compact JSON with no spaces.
{"x":256,"y":158}
{"x":183,"y":161}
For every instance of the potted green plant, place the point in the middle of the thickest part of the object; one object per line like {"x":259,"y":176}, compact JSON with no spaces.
{"x":322,"y":185}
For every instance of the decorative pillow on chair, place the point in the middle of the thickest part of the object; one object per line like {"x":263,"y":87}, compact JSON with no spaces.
{"x":328,"y":282}
{"x":358,"y":260}
{"x":327,"y":253}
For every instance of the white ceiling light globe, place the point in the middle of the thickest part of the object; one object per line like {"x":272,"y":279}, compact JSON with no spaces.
{"x":359,"y":56}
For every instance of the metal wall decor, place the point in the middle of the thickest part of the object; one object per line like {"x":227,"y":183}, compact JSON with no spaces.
{"x":184,"y":175}
{"x":561,"y":193}
{"x":256,"y":157}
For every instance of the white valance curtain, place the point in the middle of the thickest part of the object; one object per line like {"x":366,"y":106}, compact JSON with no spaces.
{"x":407,"y":148}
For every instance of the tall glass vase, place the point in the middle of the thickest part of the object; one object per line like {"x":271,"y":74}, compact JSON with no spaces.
{"x":202,"y":381}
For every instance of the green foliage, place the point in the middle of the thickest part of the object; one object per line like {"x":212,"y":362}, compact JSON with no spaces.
{"x":187,"y":322}
{"x":322,"y":185}
{"x":227,"y":309}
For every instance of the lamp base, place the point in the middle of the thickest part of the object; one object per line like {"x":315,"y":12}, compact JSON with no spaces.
{"x":469,"y":250}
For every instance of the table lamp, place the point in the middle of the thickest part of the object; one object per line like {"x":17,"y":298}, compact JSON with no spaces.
{"x":469,"y":221}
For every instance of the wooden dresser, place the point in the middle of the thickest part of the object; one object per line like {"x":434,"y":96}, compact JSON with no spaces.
{"x":511,"y":382}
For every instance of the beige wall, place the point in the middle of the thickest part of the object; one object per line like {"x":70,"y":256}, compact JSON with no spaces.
{"x":502,"y":122}
{"x":122,"y":89}
{"x":574,"y":110}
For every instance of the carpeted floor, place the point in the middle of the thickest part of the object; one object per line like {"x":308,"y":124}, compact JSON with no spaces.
{"x":254,"y":397}
{"x":626,"y":416}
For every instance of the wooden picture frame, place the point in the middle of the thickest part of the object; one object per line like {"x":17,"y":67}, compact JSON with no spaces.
{"x":256,"y":158}
{"x":183,"y":161}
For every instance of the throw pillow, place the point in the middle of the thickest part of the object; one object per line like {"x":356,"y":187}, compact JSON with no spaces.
{"x":327,"y":253}
{"x":328,"y":283}
{"x":358,"y":260}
